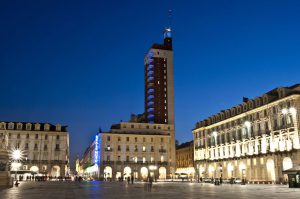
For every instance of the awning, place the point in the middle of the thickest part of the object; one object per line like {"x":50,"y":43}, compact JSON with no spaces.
{"x":293,"y":170}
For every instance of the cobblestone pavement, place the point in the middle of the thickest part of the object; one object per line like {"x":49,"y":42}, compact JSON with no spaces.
{"x":85,"y":190}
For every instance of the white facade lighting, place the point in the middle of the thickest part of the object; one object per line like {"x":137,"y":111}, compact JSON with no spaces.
{"x":284,"y":111}
{"x":293,"y":111}
{"x":248,"y":124}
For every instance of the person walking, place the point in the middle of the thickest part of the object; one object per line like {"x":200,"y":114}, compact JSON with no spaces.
{"x":128,"y":180}
{"x":132,"y":179}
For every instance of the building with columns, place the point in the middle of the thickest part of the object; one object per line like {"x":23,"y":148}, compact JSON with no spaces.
{"x":256,"y":140}
{"x":137,"y":150}
{"x":185,"y":159}
{"x":45,"y":147}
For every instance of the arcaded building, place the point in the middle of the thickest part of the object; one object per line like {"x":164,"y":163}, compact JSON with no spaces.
{"x":45,"y":147}
{"x":137,"y":150}
{"x":185,"y":159}
{"x":256,"y":140}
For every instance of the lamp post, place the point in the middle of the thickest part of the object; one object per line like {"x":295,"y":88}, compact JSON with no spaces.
{"x":16,"y":156}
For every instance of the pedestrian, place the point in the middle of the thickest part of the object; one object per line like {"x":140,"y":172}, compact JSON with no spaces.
{"x":150,"y":183}
{"x":128,"y":180}
{"x":132,"y":179}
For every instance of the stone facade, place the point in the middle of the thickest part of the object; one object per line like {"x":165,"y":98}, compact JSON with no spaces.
{"x":256,"y":140}
{"x":185,"y":159}
{"x":139,"y":150}
{"x":45,"y":146}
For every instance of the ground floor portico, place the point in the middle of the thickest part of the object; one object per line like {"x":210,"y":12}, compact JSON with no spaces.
{"x":133,"y":170}
{"x":261,"y":168}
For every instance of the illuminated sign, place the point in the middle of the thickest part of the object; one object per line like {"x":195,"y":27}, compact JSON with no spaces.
{"x":97,"y":150}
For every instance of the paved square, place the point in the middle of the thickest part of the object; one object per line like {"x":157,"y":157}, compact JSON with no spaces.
{"x":85,"y":190}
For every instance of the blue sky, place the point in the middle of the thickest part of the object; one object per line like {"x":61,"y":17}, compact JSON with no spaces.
{"x":80,"y":63}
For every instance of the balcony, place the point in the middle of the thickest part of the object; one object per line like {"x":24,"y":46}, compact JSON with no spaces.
{"x":162,"y":150}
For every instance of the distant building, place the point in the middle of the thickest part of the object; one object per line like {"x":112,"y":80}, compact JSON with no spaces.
{"x":45,"y":147}
{"x":159,"y":82}
{"x":257,"y":140}
{"x":185,"y":159}
{"x":89,"y":165}
{"x":137,"y":149}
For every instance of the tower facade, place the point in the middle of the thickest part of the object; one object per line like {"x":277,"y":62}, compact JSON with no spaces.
{"x":159,"y":82}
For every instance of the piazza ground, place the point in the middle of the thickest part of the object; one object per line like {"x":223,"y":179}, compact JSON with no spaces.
{"x":85,"y":190}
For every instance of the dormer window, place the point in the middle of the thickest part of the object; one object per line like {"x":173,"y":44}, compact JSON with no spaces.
{"x":37,"y":127}
{"x":11,"y":126}
{"x":28,"y":127}
{"x":19,"y":126}
{"x":2,"y":126}
{"x":58,"y":127}
{"x":46,"y":127}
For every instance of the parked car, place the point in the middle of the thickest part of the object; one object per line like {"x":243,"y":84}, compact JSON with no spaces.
{"x":237,"y":181}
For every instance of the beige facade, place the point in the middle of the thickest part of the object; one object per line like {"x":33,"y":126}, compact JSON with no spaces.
{"x":185,"y":159}
{"x":45,"y":146}
{"x":256,"y":140}
{"x":139,"y":150}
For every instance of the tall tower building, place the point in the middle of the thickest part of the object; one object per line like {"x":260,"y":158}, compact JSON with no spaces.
{"x":159,"y":82}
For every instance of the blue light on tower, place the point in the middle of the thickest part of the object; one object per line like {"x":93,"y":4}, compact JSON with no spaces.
{"x":97,"y":150}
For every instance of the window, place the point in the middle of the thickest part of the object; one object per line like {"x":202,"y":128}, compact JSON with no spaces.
{"x":45,"y":147}
{"x":9,"y":135}
{"x":10,"y":126}
{"x":119,"y":139}
{"x":154,"y":127}
{"x":119,"y":148}
{"x":151,"y":139}
{"x":135,"y":148}
{"x":36,"y":136}
{"x":26,"y":146}
{"x":144,"y":139}
{"x":127,"y":139}
{"x":144,"y":159}
{"x":132,"y":126}
{"x":35,"y":146}
{"x":46,"y":137}
{"x":28,"y":127}
{"x":18,"y":136}
{"x":57,"y":137}
{"x":152,"y":148}
{"x":147,"y":126}
{"x":57,"y":147}
{"x":27,"y":136}
{"x":161,"y":139}
{"x":127,"y":148}
{"x":108,"y":158}
{"x":144,"y":149}
{"x":108,"y":138}
{"x":151,"y":159}
{"x":135,"y":139}
{"x":119,"y":158}
{"x":127,"y":158}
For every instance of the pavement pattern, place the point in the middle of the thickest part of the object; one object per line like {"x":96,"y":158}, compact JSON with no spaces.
{"x":85,"y":190}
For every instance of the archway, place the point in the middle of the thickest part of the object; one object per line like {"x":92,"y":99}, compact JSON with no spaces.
{"x":286,"y":164}
{"x":230,"y":169}
{"x":127,"y":172}
{"x":211,"y":171}
{"x":107,"y":172}
{"x":242,"y":168}
{"x":34,"y":169}
{"x":144,"y":172}
{"x":162,"y":173}
{"x":55,"y":171}
{"x":270,"y":170}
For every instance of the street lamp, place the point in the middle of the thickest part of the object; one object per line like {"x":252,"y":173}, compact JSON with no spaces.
{"x":16,"y":155}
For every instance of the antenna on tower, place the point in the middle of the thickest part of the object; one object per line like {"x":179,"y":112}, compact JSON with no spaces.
{"x":170,"y":18}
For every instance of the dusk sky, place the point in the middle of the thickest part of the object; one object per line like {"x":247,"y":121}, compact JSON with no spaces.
{"x":80,"y":63}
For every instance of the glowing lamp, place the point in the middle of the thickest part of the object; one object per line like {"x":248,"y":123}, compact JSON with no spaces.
{"x":284,"y":111}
